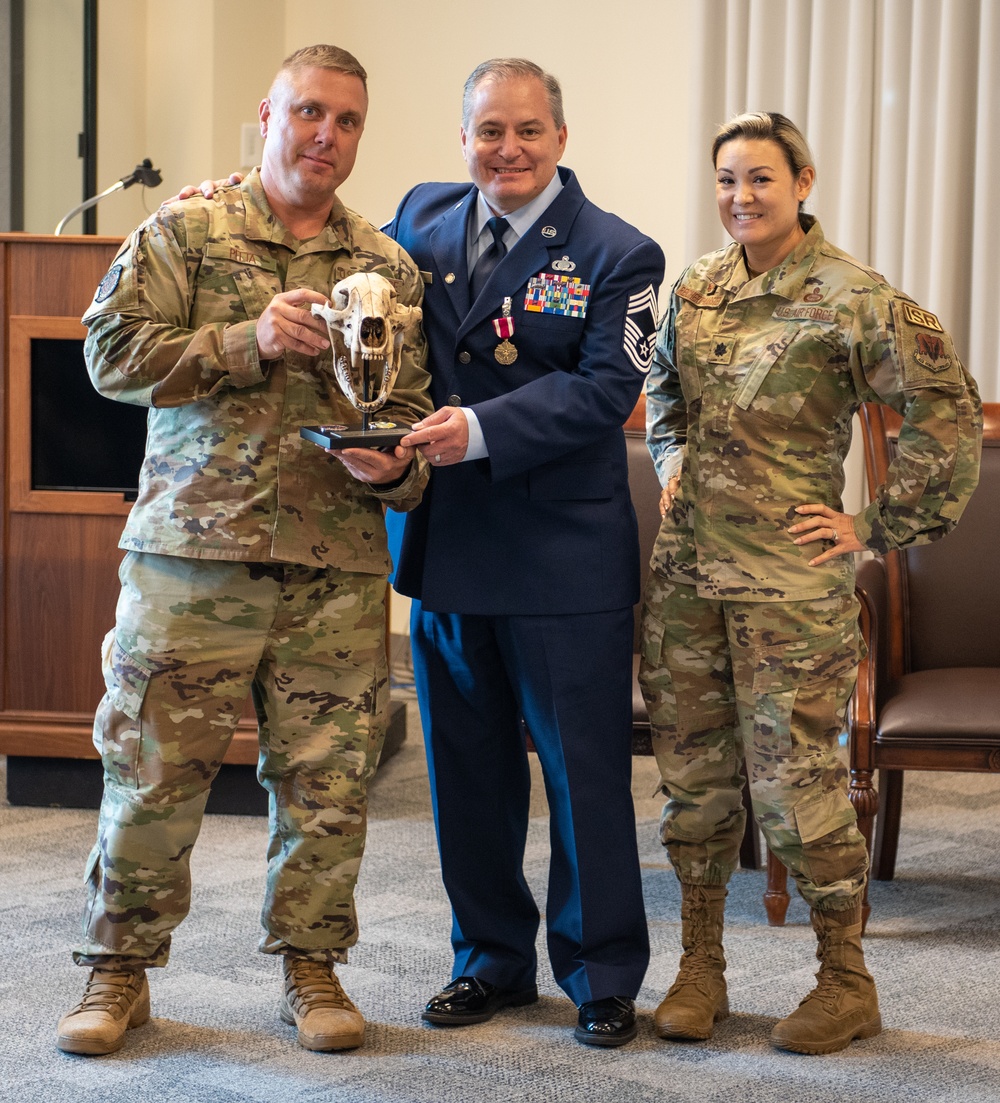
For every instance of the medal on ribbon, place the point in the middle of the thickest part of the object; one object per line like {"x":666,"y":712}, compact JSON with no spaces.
{"x":505,"y":353}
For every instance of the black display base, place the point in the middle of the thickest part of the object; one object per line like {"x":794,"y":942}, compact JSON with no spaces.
{"x":329,"y":436}
{"x":79,"y":782}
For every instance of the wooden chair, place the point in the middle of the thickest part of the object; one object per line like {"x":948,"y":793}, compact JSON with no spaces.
{"x":928,"y":694}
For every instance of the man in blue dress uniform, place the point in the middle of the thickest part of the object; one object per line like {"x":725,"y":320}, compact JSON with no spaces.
{"x":523,"y":560}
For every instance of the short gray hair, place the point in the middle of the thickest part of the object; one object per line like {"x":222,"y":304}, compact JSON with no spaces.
{"x":512,"y":68}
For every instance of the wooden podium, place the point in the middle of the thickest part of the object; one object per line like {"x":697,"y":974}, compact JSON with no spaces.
{"x":58,"y":548}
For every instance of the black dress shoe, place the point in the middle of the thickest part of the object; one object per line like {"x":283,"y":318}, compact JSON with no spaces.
{"x":471,"y":1000}
{"x":609,"y":1022}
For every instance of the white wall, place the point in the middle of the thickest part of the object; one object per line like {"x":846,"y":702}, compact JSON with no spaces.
{"x":53,"y":105}
{"x":177,"y":89}
{"x":122,"y":95}
{"x":616,"y":72}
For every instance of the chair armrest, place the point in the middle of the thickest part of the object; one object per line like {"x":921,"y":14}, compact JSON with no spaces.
{"x":871,"y":588}
{"x":871,"y":592}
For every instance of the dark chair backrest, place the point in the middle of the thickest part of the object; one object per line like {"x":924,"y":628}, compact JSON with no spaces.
{"x":949,"y":590}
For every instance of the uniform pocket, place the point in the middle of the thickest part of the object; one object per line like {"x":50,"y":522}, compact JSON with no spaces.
{"x":775,"y":390}
{"x":820,"y":815}
{"x":651,"y":639}
{"x":232,"y":289}
{"x":550,"y":331}
{"x":800,"y":690}
{"x":656,"y":680}
{"x":126,"y":679}
{"x":117,"y":727}
{"x":797,"y":663}
{"x":571,"y":482}
{"x":256,"y":290}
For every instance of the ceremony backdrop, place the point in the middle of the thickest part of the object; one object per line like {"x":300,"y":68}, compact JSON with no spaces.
{"x":900,"y":100}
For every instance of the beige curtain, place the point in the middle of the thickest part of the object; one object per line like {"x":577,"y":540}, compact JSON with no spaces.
{"x":900,"y":101}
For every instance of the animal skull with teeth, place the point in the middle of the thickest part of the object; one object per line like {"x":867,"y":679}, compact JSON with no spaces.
{"x":366,"y":322}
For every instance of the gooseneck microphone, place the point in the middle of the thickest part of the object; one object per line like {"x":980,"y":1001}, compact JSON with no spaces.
{"x":143,"y":173}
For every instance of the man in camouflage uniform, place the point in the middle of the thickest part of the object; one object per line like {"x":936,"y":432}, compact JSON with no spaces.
{"x":750,"y":637}
{"x":255,"y":561}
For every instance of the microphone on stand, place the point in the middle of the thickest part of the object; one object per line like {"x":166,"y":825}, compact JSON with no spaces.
{"x":143,"y":174}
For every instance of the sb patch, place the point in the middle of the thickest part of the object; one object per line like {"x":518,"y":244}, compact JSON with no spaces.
{"x":107,"y":286}
{"x":930,"y":351}
{"x":721,"y":350}
{"x":917,"y":317}
{"x":927,"y":353}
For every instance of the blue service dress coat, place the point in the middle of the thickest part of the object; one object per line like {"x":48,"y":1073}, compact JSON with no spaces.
{"x":525,"y":567}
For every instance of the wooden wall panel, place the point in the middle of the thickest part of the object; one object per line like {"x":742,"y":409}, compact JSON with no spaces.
{"x":58,"y":557}
{"x":57,"y":619}
{"x":55,"y":275}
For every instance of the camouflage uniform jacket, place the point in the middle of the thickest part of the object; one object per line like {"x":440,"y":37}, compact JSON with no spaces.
{"x":755,"y":383}
{"x":226,"y":474}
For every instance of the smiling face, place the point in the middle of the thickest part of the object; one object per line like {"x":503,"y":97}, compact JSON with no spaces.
{"x":510,"y":141}
{"x":758,"y":197}
{"x":312,"y":122}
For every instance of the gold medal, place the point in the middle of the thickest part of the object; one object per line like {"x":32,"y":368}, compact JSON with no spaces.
{"x":505,"y":353}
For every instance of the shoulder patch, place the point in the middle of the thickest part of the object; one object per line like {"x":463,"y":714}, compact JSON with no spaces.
{"x":106,"y":287}
{"x":931,"y":352}
{"x":926,"y":350}
{"x":916,"y":316}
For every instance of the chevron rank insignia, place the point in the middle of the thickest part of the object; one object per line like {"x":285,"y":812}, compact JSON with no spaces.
{"x":640,"y":329}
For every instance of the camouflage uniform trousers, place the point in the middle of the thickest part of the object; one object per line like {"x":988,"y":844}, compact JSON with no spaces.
{"x":192,"y":637}
{"x":765,"y":682}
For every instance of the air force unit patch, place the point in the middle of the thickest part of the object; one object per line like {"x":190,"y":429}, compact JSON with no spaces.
{"x":640,"y":329}
{"x":107,"y":286}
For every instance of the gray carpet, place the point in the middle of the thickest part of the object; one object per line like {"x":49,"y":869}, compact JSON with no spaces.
{"x":216,"y":1038}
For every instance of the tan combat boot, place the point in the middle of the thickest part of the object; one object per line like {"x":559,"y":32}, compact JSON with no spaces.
{"x":844,"y":1004}
{"x":316,"y":1004}
{"x":113,"y":1001}
{"x":697,"y":999}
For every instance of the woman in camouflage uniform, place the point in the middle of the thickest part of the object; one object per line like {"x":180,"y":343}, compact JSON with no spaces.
{"x":750,"y":638}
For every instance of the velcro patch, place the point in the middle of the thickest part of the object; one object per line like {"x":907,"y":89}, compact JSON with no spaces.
{"x":799,"y":313}
{"x":916,"y":316}
{"x":220,"y":250}
{"x":106,"y":287}
{"x":640,"y":328}
{"x":722,"y":350}
{"x":699,"y":298}
{"x":930,"y":351}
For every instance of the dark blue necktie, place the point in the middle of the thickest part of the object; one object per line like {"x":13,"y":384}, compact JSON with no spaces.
{"x":490,"y":257}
